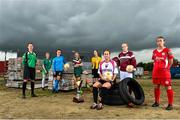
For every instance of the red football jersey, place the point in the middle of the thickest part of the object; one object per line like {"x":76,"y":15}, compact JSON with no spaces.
{"x":161,"y":67}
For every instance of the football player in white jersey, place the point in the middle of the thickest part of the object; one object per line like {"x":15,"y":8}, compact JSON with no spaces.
{"x":107,"y":72}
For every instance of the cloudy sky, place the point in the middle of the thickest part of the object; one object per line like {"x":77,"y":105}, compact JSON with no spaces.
{"x":85,"y":25}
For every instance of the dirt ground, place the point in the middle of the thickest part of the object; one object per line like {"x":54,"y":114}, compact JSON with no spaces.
{"x":49,"y":105}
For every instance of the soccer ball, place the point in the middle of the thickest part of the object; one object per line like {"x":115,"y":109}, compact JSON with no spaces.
{"x":130,"y":68}
{"x":107,"y":76}
{"x":66,"y":66}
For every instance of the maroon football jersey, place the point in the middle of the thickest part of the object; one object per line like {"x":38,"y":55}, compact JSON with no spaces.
{"x":126,"y":59}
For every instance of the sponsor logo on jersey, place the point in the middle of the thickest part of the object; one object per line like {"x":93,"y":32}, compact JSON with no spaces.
{"x":163,"y":54}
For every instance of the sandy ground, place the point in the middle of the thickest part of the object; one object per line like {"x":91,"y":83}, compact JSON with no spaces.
{"x":49,"y":105}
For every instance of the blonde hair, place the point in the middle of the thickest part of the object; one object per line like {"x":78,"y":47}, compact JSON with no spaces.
{"x":125,"y":43}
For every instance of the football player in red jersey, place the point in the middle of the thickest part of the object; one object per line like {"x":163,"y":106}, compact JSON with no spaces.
{"x":163,"y":59}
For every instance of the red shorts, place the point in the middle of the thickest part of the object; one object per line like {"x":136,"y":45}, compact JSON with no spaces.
{"x":162,"y":81}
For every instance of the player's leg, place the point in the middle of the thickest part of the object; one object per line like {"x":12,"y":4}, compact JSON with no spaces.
{"x":24,"y":88}
{"x":96,"y":86}
{"x":32,"y":77}
{"x":157,"y":93}
{"x":78,"y":78}
{"x":105,"y":87}
{"x":53,"y":83}
{"x":129,"y":75}
{"x":43,"y":80}
{"x":170,"y":96}
{"x":57,"y":83}
{"x":25,"y":80}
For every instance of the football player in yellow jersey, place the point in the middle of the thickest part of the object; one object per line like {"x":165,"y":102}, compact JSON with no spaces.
{"x":95,"y":60}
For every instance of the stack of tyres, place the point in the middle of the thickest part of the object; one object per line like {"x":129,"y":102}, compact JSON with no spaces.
{"x":120,"y":94}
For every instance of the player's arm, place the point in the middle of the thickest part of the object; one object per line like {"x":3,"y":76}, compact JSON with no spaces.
{"x":153,"y":56}
{"x":170,"y":58}
{"x":53,"y":65}
{"x":23,"y":59}
{"x":170,"y":62}
{"x":115,"y":72}
{"x":133,"y":61}
{"x":114,"y":77}
{"x":44,"y":67}
{"x":35,"y":58}
{"x":64,"y":60}
{"x":100,"y":75}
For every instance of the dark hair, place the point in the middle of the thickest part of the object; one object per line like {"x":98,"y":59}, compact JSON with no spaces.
{"x":29,"y":43}
{"x":107,"y":51}
{"x":160,"y":37}
{"x":58,"y":50}
{"x":47,"y":53}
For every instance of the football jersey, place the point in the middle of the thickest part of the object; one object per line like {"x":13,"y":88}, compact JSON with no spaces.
{"x":161,"y":65}
{"x":110,"y":67}
{"x":126,"y":59}
{"x":95,"y":62}
{"x":77,"y":61}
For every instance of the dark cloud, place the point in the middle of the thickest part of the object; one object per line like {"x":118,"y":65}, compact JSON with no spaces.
{"x":87,"y":24}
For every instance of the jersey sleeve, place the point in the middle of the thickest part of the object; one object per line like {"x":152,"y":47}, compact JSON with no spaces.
{"x":23,"y":58}
{"x":35,"y":58}
{"x":64,"y":60}
{"x":99,"y":68}
{"x":53,"y":64}
{"x":43,"y":62}
{"x":153,"y":56}
{"x":170,"y":54}
{"x":92,"y":60}
{"x":133,"y":60}
{"x":115,"y":68}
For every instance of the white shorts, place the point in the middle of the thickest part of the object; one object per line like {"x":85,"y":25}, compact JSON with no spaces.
{"x":125,"y":75}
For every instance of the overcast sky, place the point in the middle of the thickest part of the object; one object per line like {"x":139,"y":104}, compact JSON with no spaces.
{"x":85,"y":25}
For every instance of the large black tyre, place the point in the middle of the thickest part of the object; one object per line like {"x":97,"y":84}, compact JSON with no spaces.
{"x":131,"y":83}
{"x":112,"y":97}
{"x":113,"y":100}
{"x":114,"y":90}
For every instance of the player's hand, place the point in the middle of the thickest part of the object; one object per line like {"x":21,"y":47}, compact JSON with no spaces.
{"x":109,"y":79}
{"x":103,"y":78}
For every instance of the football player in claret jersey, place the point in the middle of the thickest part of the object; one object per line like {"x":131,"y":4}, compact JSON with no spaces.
{"x":163,"y":59}
{"x":126,"y":58}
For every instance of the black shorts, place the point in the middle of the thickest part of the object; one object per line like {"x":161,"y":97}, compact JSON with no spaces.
{"x":29,"y":73}
{"x":58,"y":73}
{"x":102,"y":82}
{"x":95,"y":73}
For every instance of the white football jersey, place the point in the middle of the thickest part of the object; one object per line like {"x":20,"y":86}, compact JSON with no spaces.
{"x":108,"y":67}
